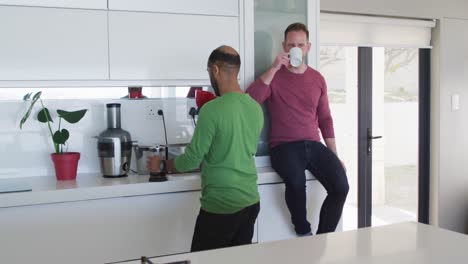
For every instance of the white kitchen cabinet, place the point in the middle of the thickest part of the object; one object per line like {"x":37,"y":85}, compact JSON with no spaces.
{"x":158,"y":46}
{"x":99,"y":231}
{"x":274,"y":220}
{"x":201,"y":7}
{"x":53,"y":44}
{"x":85,"y":4}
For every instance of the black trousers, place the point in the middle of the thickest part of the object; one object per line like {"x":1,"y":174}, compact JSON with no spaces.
{"x":290,"y":160}
{"x":224,"y":230}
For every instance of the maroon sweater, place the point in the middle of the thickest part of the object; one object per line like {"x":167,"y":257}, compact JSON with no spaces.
{"x":298,"y":106}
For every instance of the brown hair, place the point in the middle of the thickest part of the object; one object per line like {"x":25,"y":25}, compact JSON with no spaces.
{"x":296,"y":27}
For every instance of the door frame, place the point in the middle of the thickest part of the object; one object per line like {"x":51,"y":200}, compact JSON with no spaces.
{"x":364,"y":128}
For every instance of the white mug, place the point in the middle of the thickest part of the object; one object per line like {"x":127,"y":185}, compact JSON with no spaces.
{"x":295,"y":56}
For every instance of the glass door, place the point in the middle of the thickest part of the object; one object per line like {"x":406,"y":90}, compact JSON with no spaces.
{"x":376,"y":101}
{"x":395,"y":104}
{"x":393,"y":157}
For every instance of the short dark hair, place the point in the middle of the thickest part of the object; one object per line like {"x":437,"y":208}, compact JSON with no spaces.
{"x":296,"y":27}
{"x":224,"y":59}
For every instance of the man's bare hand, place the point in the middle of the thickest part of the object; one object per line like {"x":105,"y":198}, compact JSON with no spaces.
{"x":281,"y":59}
{"x":154,"y":164}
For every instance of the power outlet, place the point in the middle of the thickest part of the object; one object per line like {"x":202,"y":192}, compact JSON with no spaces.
{"x":190,"y":103}
{"x":151,"y":111}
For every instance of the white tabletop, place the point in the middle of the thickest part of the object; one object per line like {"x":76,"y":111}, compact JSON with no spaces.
{"x":396,"y":244}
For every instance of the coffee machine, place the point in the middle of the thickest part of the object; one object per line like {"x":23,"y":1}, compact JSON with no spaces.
{"x":114,"y":145}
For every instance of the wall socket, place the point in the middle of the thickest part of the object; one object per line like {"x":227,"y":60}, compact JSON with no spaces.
{"x":191,"y":103}
{"x":151,"y":111}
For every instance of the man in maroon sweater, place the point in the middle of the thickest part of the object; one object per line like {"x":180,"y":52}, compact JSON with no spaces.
{"x":298,"y":105}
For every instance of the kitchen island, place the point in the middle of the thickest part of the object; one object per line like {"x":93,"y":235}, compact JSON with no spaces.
{"x":99,"y":220}
{"x":405,"y":243}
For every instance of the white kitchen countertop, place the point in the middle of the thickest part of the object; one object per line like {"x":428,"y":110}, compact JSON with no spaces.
{"x":93,"y":186}
{"x":405,"y":243}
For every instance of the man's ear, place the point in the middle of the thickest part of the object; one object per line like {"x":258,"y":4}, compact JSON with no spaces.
{"x":309,"y":45}
{"x":216,"y":70}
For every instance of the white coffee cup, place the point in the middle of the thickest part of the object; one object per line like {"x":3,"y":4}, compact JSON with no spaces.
{"x":295,"y":56}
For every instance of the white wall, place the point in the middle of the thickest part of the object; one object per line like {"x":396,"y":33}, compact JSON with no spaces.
{"x":449,"y":166}
{"x":453,"y":138}
{"x":26,"y":152}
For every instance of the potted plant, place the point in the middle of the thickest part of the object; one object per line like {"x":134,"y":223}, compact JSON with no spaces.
{"x":65,"y":163}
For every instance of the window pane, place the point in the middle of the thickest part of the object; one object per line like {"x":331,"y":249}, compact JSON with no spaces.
{"x":395,"y":117}
{"x":98,"y":92}
{"x":338,"y":66}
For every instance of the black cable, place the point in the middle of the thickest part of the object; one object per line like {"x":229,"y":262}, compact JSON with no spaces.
{"x":161,"y":113}
{"x":193,"y":112}
{"x":194,"y":122}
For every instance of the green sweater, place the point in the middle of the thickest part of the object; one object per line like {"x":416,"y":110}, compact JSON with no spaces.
{"x":225,"y":140}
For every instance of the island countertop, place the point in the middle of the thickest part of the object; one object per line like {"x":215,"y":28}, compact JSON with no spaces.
{"x":405,"y":243}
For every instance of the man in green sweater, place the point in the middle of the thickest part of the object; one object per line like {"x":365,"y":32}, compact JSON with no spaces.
{"x":225,"y":140}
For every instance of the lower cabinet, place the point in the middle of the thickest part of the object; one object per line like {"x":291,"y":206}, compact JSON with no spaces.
{"x":274,"y":220}
{"x":126,"y":228}
{"x":99,"y":231}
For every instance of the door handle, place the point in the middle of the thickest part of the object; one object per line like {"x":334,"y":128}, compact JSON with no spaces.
{"x":369,"y":141}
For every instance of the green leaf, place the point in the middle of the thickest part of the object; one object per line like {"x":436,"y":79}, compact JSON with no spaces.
{"x":27,"y":96}
{"x":36,"y":97}
{"x":44,"y":116}
{"x":72,"y":117}
{"x":25,"y":117}
{"x":61,"y":136}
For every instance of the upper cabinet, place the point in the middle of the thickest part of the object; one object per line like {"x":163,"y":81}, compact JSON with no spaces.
{"x":161,"y":41}
{"x":201,"y":7}
{"x":53,"y":44}
{"x":85,"y":4}
{"x":65,"y":43}
{"x":160,"y":46}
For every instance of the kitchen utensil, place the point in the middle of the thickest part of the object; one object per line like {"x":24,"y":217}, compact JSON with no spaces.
{"x":142,"y":153}
{"x":202,"y":97}
{"x":114,"y":145}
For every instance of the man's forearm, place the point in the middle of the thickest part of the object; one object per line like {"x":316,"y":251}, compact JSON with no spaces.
{"x":170,"y":166}
{"x":268,"y":76}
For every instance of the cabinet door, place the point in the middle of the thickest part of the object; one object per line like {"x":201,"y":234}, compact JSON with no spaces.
{"x":90,"y":4}
{"x":153,"y":46}
{"x":53,"y":44}
{"x":274,"y":220}
{"x":203,"y":7}
{"x":99,"y":231}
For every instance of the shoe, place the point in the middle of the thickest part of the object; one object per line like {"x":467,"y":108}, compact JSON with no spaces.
{"x":304,"y":235}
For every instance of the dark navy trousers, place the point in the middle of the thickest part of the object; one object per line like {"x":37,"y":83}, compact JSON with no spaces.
{"x":290,"y":160}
